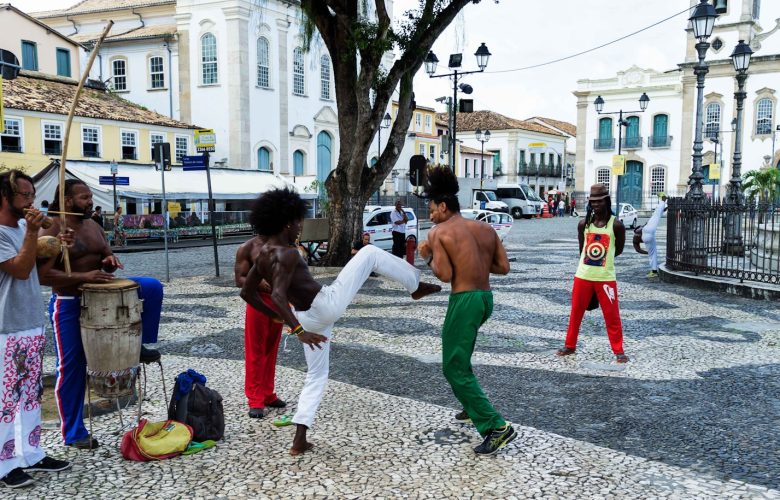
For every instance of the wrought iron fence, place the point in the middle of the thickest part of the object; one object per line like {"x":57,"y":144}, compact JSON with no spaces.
{"x":718,"y":238}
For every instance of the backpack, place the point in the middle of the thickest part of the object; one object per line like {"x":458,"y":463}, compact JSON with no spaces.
{"x":200,"y":408}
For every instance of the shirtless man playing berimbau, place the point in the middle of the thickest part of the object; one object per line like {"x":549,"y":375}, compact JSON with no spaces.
{"x":465,"y":252}
{"x":91,"y":261}
{"x":278,"y":215}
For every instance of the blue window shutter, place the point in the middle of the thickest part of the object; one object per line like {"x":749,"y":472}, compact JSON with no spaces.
{"x":29,"y":56}
{"x":660,"y":126}
{"x":263,"y":159}
{"x":605,"y":128}
{"x":633,"y":126}
{"x":63,"y":62}
{"x":297,"y":163}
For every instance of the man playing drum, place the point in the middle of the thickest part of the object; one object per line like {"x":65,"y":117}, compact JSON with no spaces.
{"x":91,"y":262}
{"x":278,"y":215}
{"x":21,"y":334}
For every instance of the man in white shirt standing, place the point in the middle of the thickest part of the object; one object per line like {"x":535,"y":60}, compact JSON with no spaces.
{"x":399,"y":219}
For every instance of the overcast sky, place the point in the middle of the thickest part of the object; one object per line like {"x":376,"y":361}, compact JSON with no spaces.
{"x":522,"y":33}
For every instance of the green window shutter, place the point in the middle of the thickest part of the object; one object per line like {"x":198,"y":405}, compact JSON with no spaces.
{"x":660,"y":126}
{"x":63,"y":62}
{"x":605,"y":128}
{"x":633,"y":126}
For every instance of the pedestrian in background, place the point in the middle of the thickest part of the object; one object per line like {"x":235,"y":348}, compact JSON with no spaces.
{"x":97,"y":216}
{"x":561,"y":208}
{"x":574,"y":208}
{"x":646,"y":235}
{"x":120,"y":238}
{"x":399,"y":219}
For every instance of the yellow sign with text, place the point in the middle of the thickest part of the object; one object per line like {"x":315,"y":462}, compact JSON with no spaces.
{"x":174,"y":208}
{"x":618,"y":164}
{"x":714,"y":171}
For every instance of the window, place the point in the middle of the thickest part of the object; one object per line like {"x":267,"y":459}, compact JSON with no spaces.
{"x":418,"y":122}
{"x":764,"y":117}
{"x":119,"y":74}
{"x":90,"y":142}
{"x":522,"y":158}
{"x":182,"y":147}
{"x":63,"y":62}
{"x":263,"y":63}
{"x":155,"y":138}
{"x":467,"y":167}
{"x":325,"y":77}
{"x":422,"y":149}
{"x":156,"y":72}
{"x":605,"y":128}
{"x":427,"y":123}
{"x":712,"y":121}
{"x":208,"y":59}
{"x":632,"y":130}
{"x":660,"y":126}
{"x":657,"y":180}
{"x":52,"y":139}
{"x":129,"y":140}
{"x":264,"y":160}
{"x":432,"y":153}
{"x":11,"y":138}
{"x":603,"y":176}
{"x":29,"y":55}
{"x":298,"y":158}
{"x":299,"y":72}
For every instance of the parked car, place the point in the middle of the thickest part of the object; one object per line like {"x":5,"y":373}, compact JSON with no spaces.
{"x":628,"y":215}
{"x":501,"y":222}
{"x":376,"y":222}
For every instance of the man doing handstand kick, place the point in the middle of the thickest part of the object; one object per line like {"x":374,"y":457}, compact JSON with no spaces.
{"x":278,"y":215}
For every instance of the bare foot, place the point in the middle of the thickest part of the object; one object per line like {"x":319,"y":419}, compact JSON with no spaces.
{"x":425,"y":289}
{"x":295,"y":451}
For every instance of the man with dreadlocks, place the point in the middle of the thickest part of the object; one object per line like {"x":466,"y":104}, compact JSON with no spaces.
{"x":278,"y":216}
{"x":602,"y":238}
{"x":465,"y":252}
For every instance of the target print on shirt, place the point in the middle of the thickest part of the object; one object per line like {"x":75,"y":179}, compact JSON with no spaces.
{"x":596,"y":248}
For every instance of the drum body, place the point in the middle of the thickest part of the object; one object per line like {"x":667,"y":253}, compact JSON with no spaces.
{"x":111,"y":335}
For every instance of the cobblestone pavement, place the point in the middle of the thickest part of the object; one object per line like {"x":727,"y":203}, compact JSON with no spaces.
{"x":693,"y":415}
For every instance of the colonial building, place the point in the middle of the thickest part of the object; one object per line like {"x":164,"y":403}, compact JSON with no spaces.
{"x":658,"y":143}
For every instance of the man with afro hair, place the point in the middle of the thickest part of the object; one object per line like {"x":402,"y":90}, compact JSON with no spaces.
{"x":278,"y":216}
{"x":465,"y":252}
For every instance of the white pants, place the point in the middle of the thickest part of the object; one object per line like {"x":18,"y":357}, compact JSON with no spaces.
{"x":648,"y":235}
{"x":21,"y":360}
{"x":329,"y":305}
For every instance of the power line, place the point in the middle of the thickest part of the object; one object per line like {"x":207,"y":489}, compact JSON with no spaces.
{"x":594,"y":48}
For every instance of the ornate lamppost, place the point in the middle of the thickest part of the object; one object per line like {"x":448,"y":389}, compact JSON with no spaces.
{"x":482,"y":137}
{"x":385,"y":124}
{"x":735,"y":199}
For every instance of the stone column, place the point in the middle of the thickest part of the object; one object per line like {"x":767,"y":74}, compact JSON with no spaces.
{"x":237,"y":84}
{"x":183,"y":42}
{"x":582,"y":134}
{"x":282,"y":27}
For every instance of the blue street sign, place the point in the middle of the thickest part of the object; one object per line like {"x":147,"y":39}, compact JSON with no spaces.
{"x":108,"y":180}
{"x":190,"y":163}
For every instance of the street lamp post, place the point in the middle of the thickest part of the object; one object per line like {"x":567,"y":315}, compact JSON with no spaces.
{"x":482,"y":137}
{"x":644,"y":100}
{"x":483,"y":55}
{"x":385,"y":124}
{"x":736,"y":199}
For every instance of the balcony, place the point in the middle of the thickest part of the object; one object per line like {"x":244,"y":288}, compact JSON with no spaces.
{"x":659,"y":141}
{"x":604,"y":144}
{"x":632,"y":142}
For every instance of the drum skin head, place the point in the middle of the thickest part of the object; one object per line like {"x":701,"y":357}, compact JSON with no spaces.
{"x":117,"y":284}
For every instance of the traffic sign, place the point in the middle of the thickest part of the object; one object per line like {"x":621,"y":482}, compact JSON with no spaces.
{"x":205,"y":139}
{"x":108,"y":180}
{"x":190,"y":163}
{"x":618,"y":164}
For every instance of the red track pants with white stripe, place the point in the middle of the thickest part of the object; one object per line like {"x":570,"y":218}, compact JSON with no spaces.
{"x":606,"y":291}
{"x":261,"y":344}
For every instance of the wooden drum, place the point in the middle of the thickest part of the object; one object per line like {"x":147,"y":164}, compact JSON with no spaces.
{"x":111,"y":335}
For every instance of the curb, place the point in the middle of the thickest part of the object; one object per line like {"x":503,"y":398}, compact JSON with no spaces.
{"x":733,"y":286}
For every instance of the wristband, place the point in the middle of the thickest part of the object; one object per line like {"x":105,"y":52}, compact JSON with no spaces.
{"x":297,"y":330}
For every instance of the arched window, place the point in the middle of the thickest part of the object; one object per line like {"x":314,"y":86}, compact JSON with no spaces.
{"x":263,"y":63}
{"x":208,"y":59}
{"x":264,"y":160}
{"x":298,"y":158}
{"x":712,"y":121}
{"x":325,"y":77}
{"x":324,"y":155}
{"x":603,"y":176}
{"x":299,"y":72}
{"x":764,"y":117}
{"x":657,"y":180}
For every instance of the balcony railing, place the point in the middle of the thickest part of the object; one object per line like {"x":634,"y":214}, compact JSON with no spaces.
{"x":604,"y":144}
{"x":659,"y":141}
{"x":632,"y":143}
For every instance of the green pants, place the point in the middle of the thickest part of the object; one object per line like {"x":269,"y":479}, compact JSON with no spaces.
{"x":467,"y":311}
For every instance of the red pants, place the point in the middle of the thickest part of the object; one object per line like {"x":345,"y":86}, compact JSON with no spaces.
{"x":261,"y":344}
{"x":606,"y":291}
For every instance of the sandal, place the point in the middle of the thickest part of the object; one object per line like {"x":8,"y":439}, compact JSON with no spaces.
{"x":283,"y":421}
{"x":565,"y":351}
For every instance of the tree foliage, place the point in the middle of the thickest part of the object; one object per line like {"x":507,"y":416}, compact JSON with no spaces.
{"x":762,"y":184}
{"x":358,"y":34}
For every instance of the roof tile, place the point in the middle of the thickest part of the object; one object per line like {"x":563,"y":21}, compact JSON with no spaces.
{"x":491,"y":120}
{"x":89,"y":6}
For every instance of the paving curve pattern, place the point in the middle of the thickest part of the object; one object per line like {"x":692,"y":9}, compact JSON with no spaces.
{"x":693,"y":415}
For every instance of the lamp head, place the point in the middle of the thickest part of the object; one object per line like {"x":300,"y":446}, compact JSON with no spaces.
{"x":703,"y":20}
{"x":386,"y":120}
{"x":478,"y":134}
{"x":430,"y":63}
{"x":483,"y":55}
{"x":644,"y":101}
{"x":733,"y":124}
{"x":455,"y":60}
{"x":599,"y":103}
{"x":487,"y":135}
{"x":741,"y":56}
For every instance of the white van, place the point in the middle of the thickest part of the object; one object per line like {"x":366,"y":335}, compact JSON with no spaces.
{"x":376,"y":222}
{"x":520,"y":199}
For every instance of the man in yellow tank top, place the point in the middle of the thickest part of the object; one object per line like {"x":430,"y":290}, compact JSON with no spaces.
{"x":602,"y":238}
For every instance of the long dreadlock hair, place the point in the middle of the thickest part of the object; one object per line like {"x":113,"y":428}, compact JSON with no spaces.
{"x":590,"y":216}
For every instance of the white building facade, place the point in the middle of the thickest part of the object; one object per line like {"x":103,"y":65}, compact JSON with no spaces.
{"x":658,"y":143}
